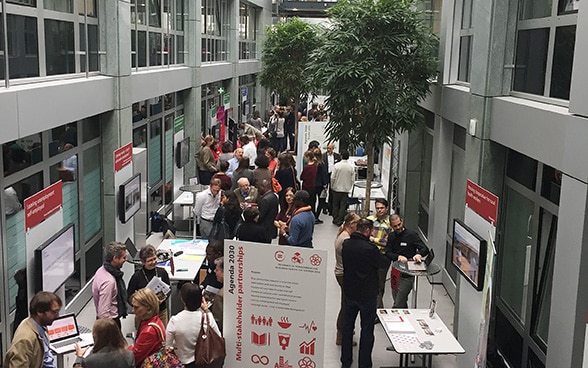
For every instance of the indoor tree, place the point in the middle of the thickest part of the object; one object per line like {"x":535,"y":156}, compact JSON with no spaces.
{"x":285,"y":57}
{"x":376,"y":62}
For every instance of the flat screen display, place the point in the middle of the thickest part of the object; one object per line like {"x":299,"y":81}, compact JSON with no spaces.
{"x":469,"y":254}
{"x":183,"y":153}
{"x":55,"y":260}
{"x":129,"y":198}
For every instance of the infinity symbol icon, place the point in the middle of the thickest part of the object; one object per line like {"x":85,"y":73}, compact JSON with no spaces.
{"x":259,"y":359}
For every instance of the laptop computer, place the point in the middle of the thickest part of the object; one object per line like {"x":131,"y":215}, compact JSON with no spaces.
{"x":132,"y":251}
{"x":421,"y":266}
{"x":64,"y":334}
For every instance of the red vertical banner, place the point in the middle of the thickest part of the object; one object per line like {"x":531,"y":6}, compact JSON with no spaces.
{"x":220,"y":119}
{"x":42,"y":204}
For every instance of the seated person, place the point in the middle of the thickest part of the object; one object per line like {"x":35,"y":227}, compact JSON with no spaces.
{"x":245,"y":192}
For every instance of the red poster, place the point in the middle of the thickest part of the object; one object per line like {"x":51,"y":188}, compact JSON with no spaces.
{"x":220,"y":119}
{"x":123,"y":156}
{"x":43,"y":204}
{"x":482,"y":201}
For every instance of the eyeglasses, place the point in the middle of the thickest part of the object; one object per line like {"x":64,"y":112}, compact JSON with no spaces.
{"x":54,"y":311}
{"x":380,"y":208}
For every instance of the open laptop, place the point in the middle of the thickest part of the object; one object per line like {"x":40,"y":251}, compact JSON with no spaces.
{"x":132,"y":251}
{"x":64,"y":334}
{"x":421,"y":266}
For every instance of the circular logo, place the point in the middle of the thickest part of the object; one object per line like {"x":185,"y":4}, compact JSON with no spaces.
{"x":279,"y":256}
{"x":306,"y":362}
{"x":315,"y":260}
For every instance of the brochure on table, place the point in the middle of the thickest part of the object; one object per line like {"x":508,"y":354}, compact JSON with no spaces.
{"x":274,"y":305}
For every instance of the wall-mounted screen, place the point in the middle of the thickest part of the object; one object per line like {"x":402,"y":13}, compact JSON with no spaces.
{"x":55,"y":260}
{"x":469,"y":254}
{"x":129,"y":198}
{"x":183,"y":153}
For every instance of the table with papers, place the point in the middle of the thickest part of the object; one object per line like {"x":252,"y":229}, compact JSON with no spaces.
{"x":413,"y":331}
{"x":188,"y":263}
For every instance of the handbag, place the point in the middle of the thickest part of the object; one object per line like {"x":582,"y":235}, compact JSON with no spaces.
{"x":210,"y":349}
{"x":276,"y":186}
{"x":296,"y":182}
{"x":165,"y":357}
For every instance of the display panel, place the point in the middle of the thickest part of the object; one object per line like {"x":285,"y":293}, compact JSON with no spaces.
{"x":129,"y":198}
{"x":469,"y":254}
{"x":183,"y":153}
{"x":55,"y":260}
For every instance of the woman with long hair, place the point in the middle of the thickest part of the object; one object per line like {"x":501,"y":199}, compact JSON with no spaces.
{"x":205,"y":160}
{"x":308,"y":176}
{"x":109,"y":350}
{"x":242,"y":171}
{"x":151,"y":330}
{"x":286,"y":209}
{"x":230,"y":212}
{"x":321,"y":184}
{"x":286,"y":172}
{"x":349,"y":226}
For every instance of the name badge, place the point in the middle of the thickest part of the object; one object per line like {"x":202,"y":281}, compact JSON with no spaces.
{"x":403,"y":244}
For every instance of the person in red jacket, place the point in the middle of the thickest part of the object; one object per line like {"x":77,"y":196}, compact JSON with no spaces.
{"x":151,"y":333}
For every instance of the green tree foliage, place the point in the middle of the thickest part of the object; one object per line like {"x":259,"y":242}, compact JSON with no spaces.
{"x":285,"y":56}
{"x":375,"y":64}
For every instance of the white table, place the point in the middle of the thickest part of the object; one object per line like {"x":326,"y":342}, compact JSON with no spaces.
{"x":188,"y":264}
{"x":411,"y":331}
{"x":185,"y":199}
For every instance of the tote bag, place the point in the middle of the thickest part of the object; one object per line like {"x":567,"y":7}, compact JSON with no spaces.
{"x":210,"y":349}
{"x":165,"y":357}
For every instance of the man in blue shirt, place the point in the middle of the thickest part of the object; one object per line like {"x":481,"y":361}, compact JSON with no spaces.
{"x":30,"y":345}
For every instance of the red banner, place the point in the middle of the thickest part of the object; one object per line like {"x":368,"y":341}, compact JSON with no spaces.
{"x":43,"y":204}
{"x":482,"y":202}
{"x":123,"y":156}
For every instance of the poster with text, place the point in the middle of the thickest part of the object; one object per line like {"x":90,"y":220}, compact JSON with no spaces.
{"x":274,"y":305}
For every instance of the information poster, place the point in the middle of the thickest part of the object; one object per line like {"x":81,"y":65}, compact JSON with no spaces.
{"x":274,"y":305}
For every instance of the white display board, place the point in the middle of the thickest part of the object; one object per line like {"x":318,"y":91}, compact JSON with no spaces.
{"x":311,"y":131}
{"x":274,"y":305}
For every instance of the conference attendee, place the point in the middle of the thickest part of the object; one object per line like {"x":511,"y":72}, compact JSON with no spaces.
{"x":379,"y":236}
{"x":109,"y":349}
{"x":214,"y":250}
{"x":250,"y":229}
{"x":286,"y":173}
{"x":11,"y":203}
{"x":245,"y":192}
{"x":321,"y":185}
{"x":255,"y":120}
{"x":268,"y":208}
{"x":205,"y":206}
{"x":183,"y":328}
{"x":249,"y":149}
{"x":108,"y":287}
{"x":229,"y":212}
{"x":30,"y":343}
{"x":361,"y":261}
{"x":234,"y":162}
{"x":146,"y":307}
{"x":342,"y":178}
{"x":270,"y":153}
{"x":404,"y":245}
{"x":221,"y":174}
{"x":330,"y":158}
{"x":283,"y":217}
{"x":242,"y":171}
{"x":308,"y":177}
{"x":300,"y":228}
{"x":140,"y":279}
{"x":205,"y":160}
{"x":261,"y":172}
{"x":226,"y":153}
{"x":217,"y":301}
{"x":348,"y":227}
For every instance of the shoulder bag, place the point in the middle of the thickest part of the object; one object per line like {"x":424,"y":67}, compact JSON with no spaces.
{"x":210,"y":349}
{"x":165,"y":357}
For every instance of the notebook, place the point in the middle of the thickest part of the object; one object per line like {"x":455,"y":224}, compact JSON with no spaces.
{"x":64,"y":333}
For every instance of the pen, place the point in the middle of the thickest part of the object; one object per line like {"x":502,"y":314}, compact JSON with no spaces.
{"x":182,"y":270}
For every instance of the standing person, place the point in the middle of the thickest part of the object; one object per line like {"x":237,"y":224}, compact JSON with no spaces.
{"x":349,"y":227}
{"x":308,"y":177}
{"x":229,"y":212}
{"x":341,"y":183}
{"x":250,"y":229}
{"x":226,"y":153}
{"x":249,"y":149}
{"x":214,"y":250}
{"x":242,"y":171}
{"x":149,"y":337}
{"x":140,"y":279}
{"x":108,"y":288}
{"x":268,"y":208}
{"x":217,"y":302}
{"x":286,"y":173}
{"x":402,"y":245}
{"x":330,"y":158}
{"x":109,"y":349}
{"x":184,"y":327}
{"x":255,"y":121}
{"x":221,"y":174}
{"x":321,"y":184}
{"x":262,"y":172}
{"x":234,"y":162}
{"x":205,"y":160}
{"x":270,"y":153}
{"x":361,"y":261}
{"x":379,"y":236}
{"x":289,"y":126}
{"x":301,"y":226}
{"x":205,"y":206}
{"x":279,"y":137}
{"x":283,"y":217}
{"x":30,"y":344}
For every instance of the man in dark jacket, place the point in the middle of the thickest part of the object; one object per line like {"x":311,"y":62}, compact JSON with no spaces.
{"x":361,"y":261}
{"x":268,"y":209}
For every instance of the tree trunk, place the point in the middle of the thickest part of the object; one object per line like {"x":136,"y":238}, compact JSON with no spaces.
{"x":296,"y":104}
{"x":369,"y":147}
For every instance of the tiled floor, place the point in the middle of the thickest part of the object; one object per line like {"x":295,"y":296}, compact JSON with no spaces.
{"x":323,"y":239}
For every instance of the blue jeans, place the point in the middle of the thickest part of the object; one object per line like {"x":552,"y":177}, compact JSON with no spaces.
{"x":367,"y":313}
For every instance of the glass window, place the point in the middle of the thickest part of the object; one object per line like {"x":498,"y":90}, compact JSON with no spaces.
{"x":90,"y":7}
{"x":92,"y":210}
{"x":2,"y":67}
{"x":169,"y":150}
{"x":140,"y":137}
{"x":521,"y":168}
{"x":142,"y":49}
{"x":563,"y":58}
{"x":23,"y":50}
{"x":180,"y":49}
{"x":154,"y":48}
{"x":531,"y":60}
{"x":180,"y":15}
{"x":247,"y":31}
{"x":508,"y":340}
{"x":94,"y":62}
{"x":62,"y":135}
{"x":59,"y":47}
{"x":22,"y":153}
{"x":65,"y":6}
{"x":534,"y":9}
{"x":23,"y":2}
{"x":465,"y":49}
{"x":154,"y":13}
{"x":90,"y":128}
{"x":568,"y":6}
{"x":551,"y":184}
{"x":168,"y":49}
{"x":214,"y":22}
